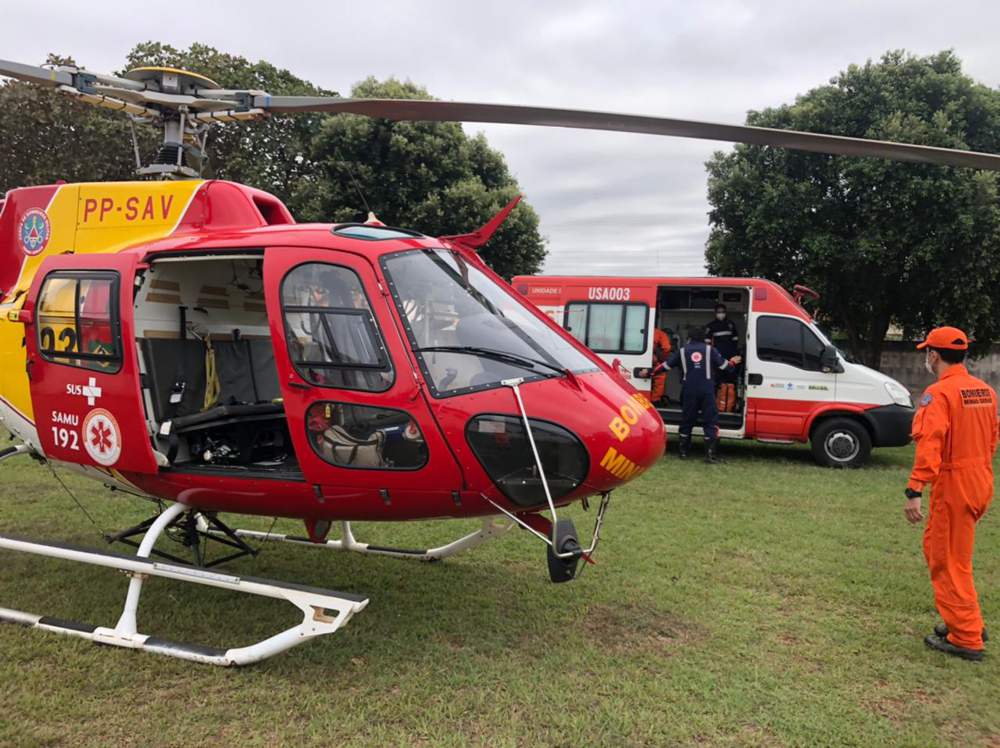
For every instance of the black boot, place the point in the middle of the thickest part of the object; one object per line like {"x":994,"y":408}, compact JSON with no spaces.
{"x":942,"y":632}
{"x":943,"y":645}
{"x":712,"y":451}
{"x":684,"y":447}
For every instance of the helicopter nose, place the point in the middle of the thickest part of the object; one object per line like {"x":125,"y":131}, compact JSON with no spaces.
{"x":631,"y":441}
{"x":590,"y":435}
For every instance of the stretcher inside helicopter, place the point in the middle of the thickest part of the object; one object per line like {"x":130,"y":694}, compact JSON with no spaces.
{"x":210,"y":381}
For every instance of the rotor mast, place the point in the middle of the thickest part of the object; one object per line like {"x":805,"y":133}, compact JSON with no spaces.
{"x":182,"y":104}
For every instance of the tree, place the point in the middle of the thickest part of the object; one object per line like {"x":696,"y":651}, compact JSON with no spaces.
{"x":883,"y":242}
{"x":429,"y":175}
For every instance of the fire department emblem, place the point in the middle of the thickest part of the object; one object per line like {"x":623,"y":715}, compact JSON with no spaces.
{"x":101,"y":437}
{"x":34,"y":231}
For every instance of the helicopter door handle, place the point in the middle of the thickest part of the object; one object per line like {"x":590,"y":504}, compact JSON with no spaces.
{"x":299,"y":385}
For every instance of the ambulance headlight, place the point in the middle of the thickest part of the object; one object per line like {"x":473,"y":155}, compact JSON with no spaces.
{"x":501,"y":445}
{"x":899,"y":394}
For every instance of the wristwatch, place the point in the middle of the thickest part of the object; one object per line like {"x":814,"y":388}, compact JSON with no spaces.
{"x":911,"y":494}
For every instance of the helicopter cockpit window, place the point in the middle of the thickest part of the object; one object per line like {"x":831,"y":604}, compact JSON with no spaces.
{"x":363,"y":436}
{"x":78,"y":320}
{"x":468,"y":332}
{"x":333,"y":339}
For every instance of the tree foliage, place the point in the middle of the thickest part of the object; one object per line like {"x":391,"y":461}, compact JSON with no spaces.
{"x":428,"y":176}
{"x":883,"y":242}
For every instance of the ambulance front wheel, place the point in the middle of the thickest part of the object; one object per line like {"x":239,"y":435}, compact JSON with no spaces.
{"x":841,"y":442}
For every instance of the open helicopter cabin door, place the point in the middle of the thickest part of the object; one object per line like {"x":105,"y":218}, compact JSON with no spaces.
{"x":82,"y":367}
{"x":360,"y":425}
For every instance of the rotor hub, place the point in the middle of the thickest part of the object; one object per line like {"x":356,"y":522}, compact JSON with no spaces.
{"x":171,"y":80}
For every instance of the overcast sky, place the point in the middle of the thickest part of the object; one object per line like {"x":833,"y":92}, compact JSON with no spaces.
{"x":609,"y":203}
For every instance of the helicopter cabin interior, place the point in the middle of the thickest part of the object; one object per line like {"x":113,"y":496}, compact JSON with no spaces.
{"x":683,"y":312}
{"x":209,"y":377}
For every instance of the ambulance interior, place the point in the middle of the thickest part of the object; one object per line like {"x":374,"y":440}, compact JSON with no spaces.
{"x":683,"y":312}
{"x":210,"y":383}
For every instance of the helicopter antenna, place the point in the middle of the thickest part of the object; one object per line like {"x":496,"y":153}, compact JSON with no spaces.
{"x":354,"y":181}
{"x":135,"y":143}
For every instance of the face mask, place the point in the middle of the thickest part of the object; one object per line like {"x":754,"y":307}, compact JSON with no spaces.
{"x":720,"y":316}
{"x":929,"y":366}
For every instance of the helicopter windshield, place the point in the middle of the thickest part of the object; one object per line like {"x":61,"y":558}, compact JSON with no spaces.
{"x":467,"y":331}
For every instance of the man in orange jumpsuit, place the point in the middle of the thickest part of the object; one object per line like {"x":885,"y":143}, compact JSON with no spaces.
{"x":955,"y":430}
{"x":661,"y":351}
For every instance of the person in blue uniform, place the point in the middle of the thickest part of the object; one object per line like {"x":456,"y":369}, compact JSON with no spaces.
{"x":699,"y":361}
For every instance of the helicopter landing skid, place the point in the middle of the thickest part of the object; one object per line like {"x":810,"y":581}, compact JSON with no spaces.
{"x":491,"y":529}
{"x":323,"y":611}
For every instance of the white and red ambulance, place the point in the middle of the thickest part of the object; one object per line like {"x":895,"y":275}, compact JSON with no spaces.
{"x":794,"y":386}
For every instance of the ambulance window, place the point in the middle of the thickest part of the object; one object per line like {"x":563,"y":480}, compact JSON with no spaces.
{"x":787,"y":341}
{"x":78,"y":322}
{"x":576,"y":321}
{"x":333,"y":339}
{"x":635,"y":328}
{"x":604,"y":328}
{"x":812,"y":350}
{"x":608,"y":328}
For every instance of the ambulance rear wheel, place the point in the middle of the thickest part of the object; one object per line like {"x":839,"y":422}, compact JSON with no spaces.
{"x":842,"y":443}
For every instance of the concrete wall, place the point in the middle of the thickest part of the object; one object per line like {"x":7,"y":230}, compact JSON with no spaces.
{"x":901,"y":362}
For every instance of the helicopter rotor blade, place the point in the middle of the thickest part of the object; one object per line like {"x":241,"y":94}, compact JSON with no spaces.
{"x":48,"y":77}
{"x":455,"y":111}
{"x":108,"y":88}
{"x":64,"y":75}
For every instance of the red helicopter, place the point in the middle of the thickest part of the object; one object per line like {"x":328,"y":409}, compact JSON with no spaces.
{"x":187,"y":342}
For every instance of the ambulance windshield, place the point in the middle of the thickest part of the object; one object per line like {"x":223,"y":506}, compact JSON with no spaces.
{"x":468,"y":332}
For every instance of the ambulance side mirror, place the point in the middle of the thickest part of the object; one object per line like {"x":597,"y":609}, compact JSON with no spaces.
{"x":829,"y":361}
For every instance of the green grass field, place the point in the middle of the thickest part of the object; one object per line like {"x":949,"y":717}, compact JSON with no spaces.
{"x":764,"y":602}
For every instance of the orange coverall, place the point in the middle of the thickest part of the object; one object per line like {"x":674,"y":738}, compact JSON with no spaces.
{"x":661,"y":350}
{"x":956,"y":434}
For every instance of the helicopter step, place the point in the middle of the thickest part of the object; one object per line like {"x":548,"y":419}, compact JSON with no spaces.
{"x":491,"y":529}
{"x":323,"y":611}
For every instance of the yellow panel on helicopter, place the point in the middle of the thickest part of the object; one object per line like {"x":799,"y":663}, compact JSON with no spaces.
{"x":129,"y":212}
{"x":89,"y":219}
{"x":110,"y":217}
